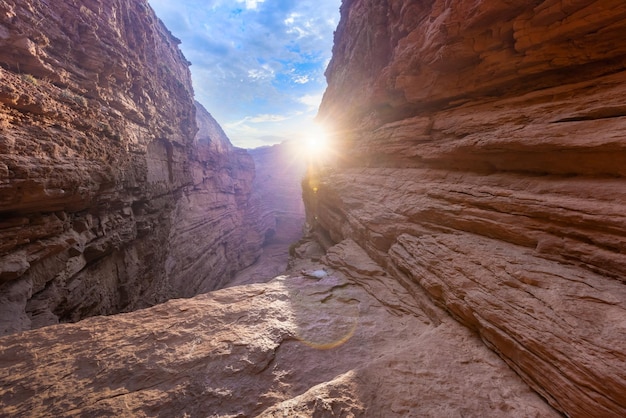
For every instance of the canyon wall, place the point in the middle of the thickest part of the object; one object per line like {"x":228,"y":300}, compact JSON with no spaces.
{"x":480,"y":158}
{"x":109,"y":201}
{"x":277,"y":192}
{"x":279,"y":172}
{"x":219,"y":224}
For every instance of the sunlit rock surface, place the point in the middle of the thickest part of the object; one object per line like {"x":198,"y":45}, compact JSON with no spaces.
{"x":100,"y":170}
{"x":277,"y":190}
{"x":352,"y":343}
{"x":279,"y":171}
{"x":480,"y":158}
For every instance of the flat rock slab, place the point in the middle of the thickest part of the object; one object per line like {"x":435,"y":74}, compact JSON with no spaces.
{"x":295,"y":346}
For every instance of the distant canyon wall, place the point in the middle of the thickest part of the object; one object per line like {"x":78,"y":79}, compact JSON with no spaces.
{"x":111,"y":198}
{"x":480,"y":157}
{"x":279,"y":171}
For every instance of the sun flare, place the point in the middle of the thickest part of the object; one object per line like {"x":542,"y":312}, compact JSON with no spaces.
{"x":316,"y":142}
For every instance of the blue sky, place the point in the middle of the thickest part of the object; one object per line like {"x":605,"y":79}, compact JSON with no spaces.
{"x":257,"y":65}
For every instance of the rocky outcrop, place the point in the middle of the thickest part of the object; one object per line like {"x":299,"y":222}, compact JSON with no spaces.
{"x":100,"y":171}
{"x":480,"y":159}
{"x":219,"y":227}
{"x":336,"y":345}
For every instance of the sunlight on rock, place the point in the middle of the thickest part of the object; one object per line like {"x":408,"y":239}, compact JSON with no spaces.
{"x":326,"y":314}
{"x":317,"y":143}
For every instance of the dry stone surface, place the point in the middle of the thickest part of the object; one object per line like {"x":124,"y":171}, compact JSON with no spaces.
{"x":112,"y":196}
{"x":480,"y":159}
{"x":338,"y":346}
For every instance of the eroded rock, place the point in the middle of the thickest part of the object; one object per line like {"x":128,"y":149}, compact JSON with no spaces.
{"x":296,"y":346}
{"x":481,"y":163}
{"x":102,"y":179}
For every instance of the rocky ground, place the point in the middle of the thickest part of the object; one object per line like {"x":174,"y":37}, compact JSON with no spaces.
{"x":332,"y":338}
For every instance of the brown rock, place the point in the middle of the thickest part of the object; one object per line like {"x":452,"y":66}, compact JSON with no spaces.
{"x":101,"y":177}
{"x":296,"y":346}
{"x":218,"y":225}
{"x":277,"y":188}
{"x":482,"y":164}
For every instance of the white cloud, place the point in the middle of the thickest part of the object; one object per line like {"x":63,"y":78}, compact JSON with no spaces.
{"x":301,"y":79}
{"x":267,"y":118}
{"x":291,"y":19}
{"x":264,"y":73}
{"x":255,"y":58}
{"x":251,"y":4}
{"x":312,"y":101}
{"x":299,"y":26}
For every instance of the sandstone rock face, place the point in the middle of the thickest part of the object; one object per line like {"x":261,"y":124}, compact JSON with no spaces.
{"x":99,"y":168}
{"x":353,"y":342}
{"x":218,"y":225}
{"x":481,"y":160}
{"x":279,"y":170}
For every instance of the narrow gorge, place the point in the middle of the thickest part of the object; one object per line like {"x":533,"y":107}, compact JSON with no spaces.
{"x":112,"y":197}
{"x":465,"y":248}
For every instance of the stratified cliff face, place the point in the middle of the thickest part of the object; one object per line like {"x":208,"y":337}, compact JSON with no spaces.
{"x":279,"y":171}
{"x":481,"y":160}
{"x":99,"y":169}
{"x":277,"y":194}
{"x":218,"y":224}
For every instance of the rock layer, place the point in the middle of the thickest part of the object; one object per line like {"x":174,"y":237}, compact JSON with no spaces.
{"x":480,"y":158}
{"x":353,"y":344}
{"x":279,"y":170}
{"x":99,"y":168}
{"x":218,"y":226}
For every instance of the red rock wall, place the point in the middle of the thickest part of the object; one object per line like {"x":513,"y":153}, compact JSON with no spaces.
{"x":99,"y":168}
{"x":481,"y":158}
{"x":218,"y":223}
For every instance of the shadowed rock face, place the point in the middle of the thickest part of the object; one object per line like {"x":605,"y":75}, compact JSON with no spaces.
{"x":101,"y":171}
{"x":218,"y":224}
{"x":481,"y":159}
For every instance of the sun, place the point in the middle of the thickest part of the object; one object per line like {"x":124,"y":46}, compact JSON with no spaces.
{"x":316,"y":143}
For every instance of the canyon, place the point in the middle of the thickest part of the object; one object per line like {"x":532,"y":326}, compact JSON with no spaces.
{"x":118,"y":192}
{"x":464,"y":249}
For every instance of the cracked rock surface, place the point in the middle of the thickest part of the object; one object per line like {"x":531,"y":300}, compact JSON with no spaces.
{"x":335,"y":346}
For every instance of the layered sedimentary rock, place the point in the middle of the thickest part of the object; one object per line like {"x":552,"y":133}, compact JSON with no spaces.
{"x":480,"y":158}
{"x":100,"y":169}
{"x":335,"y":345}
{"x":279,"y":170}
{"x":218,"y":224}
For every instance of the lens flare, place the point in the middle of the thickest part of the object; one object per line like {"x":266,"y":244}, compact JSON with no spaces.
{"x":316,"y":142}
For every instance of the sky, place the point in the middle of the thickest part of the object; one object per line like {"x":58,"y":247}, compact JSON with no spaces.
{"x":257,"y":65}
